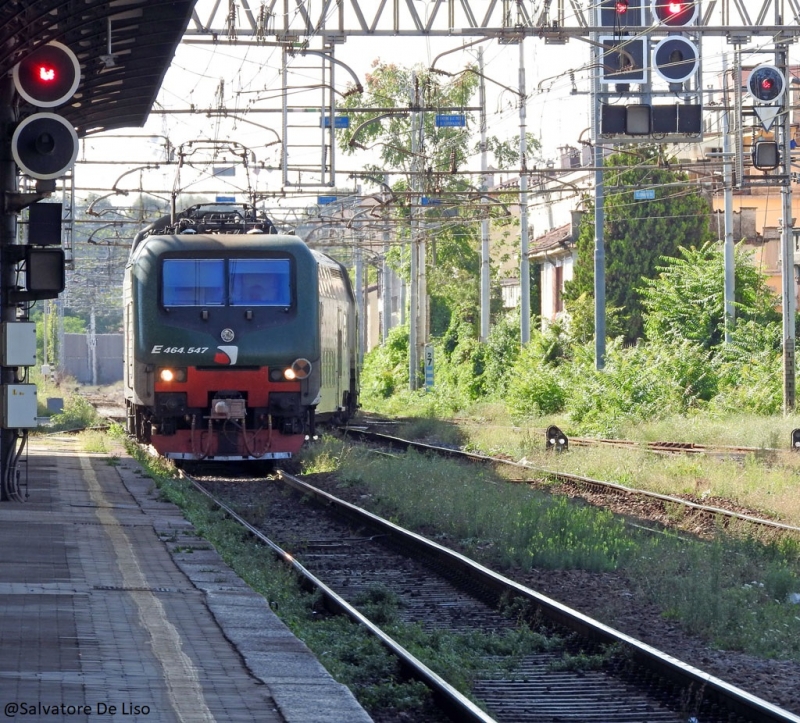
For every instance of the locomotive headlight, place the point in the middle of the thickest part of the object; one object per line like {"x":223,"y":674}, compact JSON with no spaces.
{"x":289,"y":374}
{"x":167,"y":374}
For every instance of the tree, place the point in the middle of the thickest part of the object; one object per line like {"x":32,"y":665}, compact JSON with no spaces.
{"x":506,"y":153}
{"x":687,"y":298}
{"x":639,"y":233}
{"x":450,"y":223}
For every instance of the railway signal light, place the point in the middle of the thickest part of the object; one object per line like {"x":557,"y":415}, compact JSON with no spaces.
{"x":766,"y":155}
{"x":556,"y":439}
{"x":44,"y":271}
{"x":620,"y":13}
{"x":796,"y":440}
{"x":44,"y":224}
{"x":49,"y":76}
{"x":766,"y":83}
{"x":675,"y":13}
{"x":623,"y":60}
{"x":676,"y":58}
{"x":45,"y":145}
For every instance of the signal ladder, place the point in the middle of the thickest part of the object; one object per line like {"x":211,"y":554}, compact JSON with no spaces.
{"x":309,"y":121}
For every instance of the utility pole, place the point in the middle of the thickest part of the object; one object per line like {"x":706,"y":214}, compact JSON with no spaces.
{"x":93,"y":346}
{"x":8,"y":236}
{"x":386,"y":275}
{"x":524,"y":265}
{"x":727,"y":182}
{"x":413,"y":312}
{"x":599,"y":214}
{"x":359,"y":284}
{"x":789,"y":286}
{"x":485,"y":260}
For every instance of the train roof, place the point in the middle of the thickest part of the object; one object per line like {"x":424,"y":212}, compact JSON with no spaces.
{"x":230,"y":219}
{"x":159,"y":244}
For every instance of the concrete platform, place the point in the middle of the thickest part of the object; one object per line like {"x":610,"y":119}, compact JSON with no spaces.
{"x":101,"y":621}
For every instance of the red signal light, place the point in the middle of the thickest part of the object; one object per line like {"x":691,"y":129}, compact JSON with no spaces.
{"x":675,"y":12}
{"x":766,"y":83}
{"x":48,"y":76}
{"x":621,"y":7}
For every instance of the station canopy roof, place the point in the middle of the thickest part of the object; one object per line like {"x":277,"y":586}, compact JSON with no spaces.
{"x":124,"y":47}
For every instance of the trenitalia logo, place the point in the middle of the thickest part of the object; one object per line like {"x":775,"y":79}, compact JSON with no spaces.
{"x":226,"y":354}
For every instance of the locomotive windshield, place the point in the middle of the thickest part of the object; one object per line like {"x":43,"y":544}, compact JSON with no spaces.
{"x":216,"y":282}
{"x":194,"y":282}
{"x":259,"y":282}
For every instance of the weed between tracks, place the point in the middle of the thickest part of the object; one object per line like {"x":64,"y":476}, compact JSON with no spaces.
{"x":734,"y":591}
{"x":350,"y":655}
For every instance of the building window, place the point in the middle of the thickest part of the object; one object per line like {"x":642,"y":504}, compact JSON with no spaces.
{"x":558,"y":285}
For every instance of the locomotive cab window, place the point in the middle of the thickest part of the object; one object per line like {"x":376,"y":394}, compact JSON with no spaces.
{"x":193,"y":282}
{"x":259,"y":282}
{"x":247,"y":282}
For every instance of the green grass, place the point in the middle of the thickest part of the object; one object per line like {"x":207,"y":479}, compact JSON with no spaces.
{"x":352,"y":656}
{"x":77,"y":414}
{"x":733,"y":591}
{"x":764,"y":481}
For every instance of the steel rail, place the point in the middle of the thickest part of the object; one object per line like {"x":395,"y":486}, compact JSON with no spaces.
{"x":447,"y":697}
{"x":732,"y":697}
{"x":574,"y":479}
{"x":670,"y":447}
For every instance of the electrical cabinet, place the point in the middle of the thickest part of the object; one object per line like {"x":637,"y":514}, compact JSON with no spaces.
{"x":18,"y":343}
{"x":18,"y":406}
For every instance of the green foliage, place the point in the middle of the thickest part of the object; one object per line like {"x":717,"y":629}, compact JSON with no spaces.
{"x":502,"y":350}
{"x":580,"y":317}
{"x":393,"y":86}
{"x":537,"y":382}
{"x":686,"y":300}
{"x":642,"y":382}
{"x":682,"y":367}
{"x":461,"y":359}
{"x":506,"y":153}
{"x":638,"y":234}
{"x":71,"y":325}
{"x":77,"y":414}
{"x":750,"y":370}
{"x":451,"y":230}
{"x":386,"y":366}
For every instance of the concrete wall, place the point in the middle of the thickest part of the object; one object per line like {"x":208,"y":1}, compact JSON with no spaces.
{"x":76,"y":358}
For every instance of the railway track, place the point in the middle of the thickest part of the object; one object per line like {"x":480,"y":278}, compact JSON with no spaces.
{"x":711,"y":512}
{"x":660,"y":446}
{"x":347,"y":552}
{"x":671,"y":447}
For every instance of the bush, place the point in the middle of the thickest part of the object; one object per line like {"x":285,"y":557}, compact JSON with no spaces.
{"x":642,"y":382}
{"x":386,"y":366}
{"x":749,"y":370}
{"x":535,"y":387}
{"x":502,"y":350}
{"x":77,"y":414}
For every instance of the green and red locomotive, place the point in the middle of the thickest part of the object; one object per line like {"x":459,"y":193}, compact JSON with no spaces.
{"x":237,"y":340}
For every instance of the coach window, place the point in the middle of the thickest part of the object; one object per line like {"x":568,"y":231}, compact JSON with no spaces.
{"x":193,"y":282}
{"x":259,"y":282}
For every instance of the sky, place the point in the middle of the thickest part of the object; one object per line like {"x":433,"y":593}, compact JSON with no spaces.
{"x":249,"y":77}
{"x":244,"y":78}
